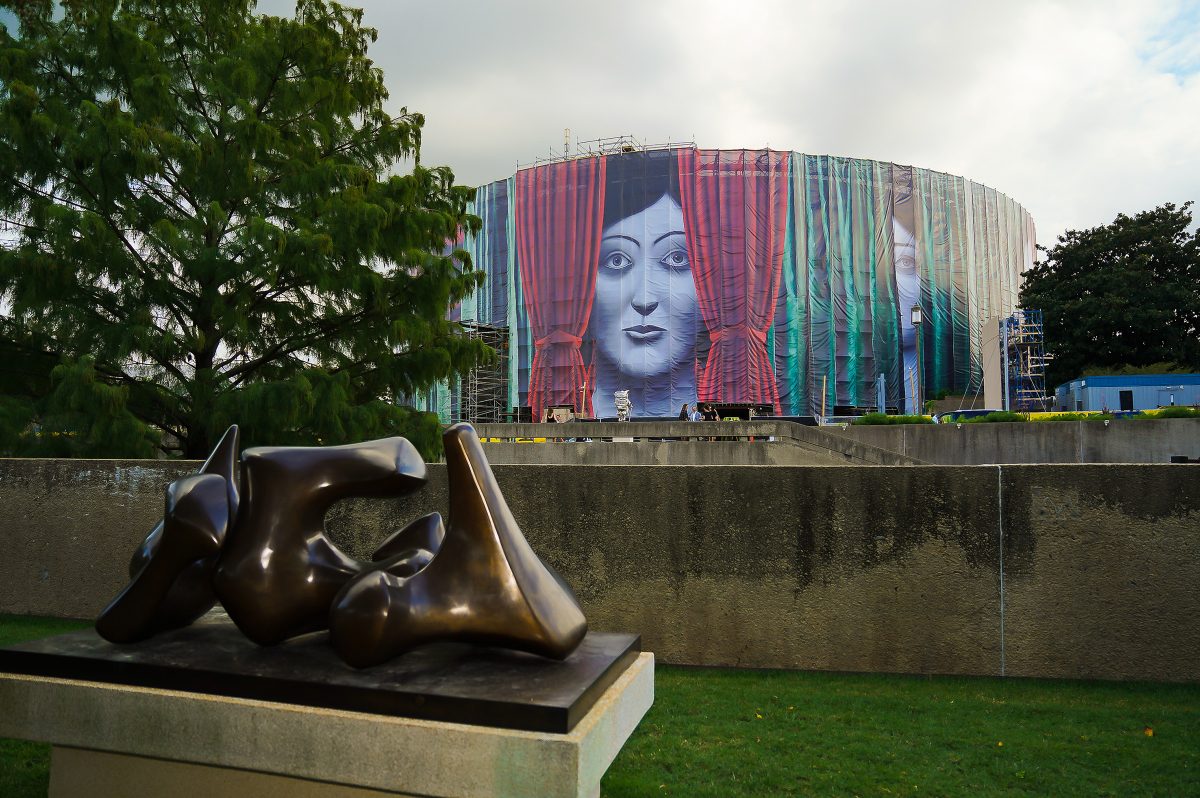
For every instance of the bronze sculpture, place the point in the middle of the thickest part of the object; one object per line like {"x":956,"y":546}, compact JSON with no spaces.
{"x":484,"y":585}
{"x":263,"y":552}
{"x":278,"y":572}
{"x":171,"y":572}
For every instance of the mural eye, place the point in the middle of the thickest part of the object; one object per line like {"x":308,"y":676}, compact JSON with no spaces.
{"x":617,"y":261}
{"x":675,"y":259}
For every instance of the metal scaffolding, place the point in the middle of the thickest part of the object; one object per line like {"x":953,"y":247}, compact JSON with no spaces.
{"x":1025,"y":358}
{"x":484,"y":390}
{"x":613,"y":145}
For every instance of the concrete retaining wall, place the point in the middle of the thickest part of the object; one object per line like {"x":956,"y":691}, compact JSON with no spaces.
{"x":1035,"y":442}
{"x":1060,"y":571}
{"x":811,"y":445}
{"x":661,"y":453}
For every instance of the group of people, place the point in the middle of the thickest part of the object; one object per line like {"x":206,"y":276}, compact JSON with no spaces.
{"x":698,"y":412}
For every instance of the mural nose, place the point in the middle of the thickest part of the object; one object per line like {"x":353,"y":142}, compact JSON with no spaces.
{"x":645,"y":306}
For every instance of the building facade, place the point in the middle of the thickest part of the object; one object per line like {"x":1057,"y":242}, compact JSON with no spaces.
{"x":688,"y":275}
{"x":1128,"y":392}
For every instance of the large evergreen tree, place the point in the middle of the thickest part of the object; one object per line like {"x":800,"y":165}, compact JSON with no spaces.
{"x":1124,"y":294}
{"x":206,"y":226}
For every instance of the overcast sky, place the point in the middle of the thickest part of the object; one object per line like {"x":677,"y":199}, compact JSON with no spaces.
{"x":1077,"y":109}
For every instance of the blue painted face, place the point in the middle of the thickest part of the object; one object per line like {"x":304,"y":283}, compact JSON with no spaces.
{"x":644,"y":318}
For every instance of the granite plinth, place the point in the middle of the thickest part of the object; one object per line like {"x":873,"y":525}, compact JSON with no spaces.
{"x":451,"y":682}
{"x":114,"y":740}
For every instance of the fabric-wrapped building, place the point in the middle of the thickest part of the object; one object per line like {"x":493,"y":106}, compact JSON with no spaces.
{"x":762,"y":276}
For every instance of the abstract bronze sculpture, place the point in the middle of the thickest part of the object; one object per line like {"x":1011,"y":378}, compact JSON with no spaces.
{"x":171,"y":572}
{"x":484,"y":584}
{"x":264,"y":554}
{"x":278,"y":572}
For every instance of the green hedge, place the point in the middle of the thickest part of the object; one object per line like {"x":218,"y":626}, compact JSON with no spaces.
{"x":883,"y":418}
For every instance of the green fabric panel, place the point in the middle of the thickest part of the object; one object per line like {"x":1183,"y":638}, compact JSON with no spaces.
{"x":515,"y":301}
{"x":793,"y":371}
{"x":885,"y":332}
{"x":821,"y":319}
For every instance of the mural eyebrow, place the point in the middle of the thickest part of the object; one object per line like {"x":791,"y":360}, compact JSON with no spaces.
{"x":627,"y":238}
{"x":668,"y":235}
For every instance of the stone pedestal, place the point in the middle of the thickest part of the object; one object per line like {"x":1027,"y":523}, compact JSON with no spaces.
{"x":118,"y":740}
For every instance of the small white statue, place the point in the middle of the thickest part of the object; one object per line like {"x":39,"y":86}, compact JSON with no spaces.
{"x":624,"y":406}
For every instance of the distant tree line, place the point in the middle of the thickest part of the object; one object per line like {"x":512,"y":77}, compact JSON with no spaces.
{"x":1123,"y":298}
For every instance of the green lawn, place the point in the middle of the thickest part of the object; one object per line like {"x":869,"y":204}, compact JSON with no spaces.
{"x":765,"y":733}
{"x":724,"y":732}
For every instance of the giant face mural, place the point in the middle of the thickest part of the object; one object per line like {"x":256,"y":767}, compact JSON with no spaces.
{"x":741,"y":276}
{"x":643,"y":324}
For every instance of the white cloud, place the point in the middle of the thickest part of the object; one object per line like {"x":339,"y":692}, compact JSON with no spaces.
{"x":1078,"y":109}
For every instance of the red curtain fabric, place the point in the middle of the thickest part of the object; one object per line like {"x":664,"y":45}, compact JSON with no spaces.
{"x":734,"y":212}
{"x":558,"y":216}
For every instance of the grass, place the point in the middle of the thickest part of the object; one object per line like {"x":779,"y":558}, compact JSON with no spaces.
{"x":716,"y":732}
{"x":723,"y":732}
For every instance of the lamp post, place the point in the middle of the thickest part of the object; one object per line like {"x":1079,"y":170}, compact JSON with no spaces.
{"x":917,"y":318}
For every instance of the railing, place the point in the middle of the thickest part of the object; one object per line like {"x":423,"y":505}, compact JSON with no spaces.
{"x":789,"y":432}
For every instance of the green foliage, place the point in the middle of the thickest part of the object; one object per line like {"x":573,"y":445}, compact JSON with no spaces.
{"x":209,"y":222}
{"x":81,"y":416}
{"x":992,"y":418}
{"x":1170,"y":412}
{"x":1073,"y":417}
{"x":1125,"y":295}
{"x":16,"y":419}
{"x":883,"y":419}
{"x":1164,"y":367}
{"x":85,"y":416}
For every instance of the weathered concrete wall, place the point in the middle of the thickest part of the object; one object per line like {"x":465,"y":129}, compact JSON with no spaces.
{"x":1041,"y":442}
{"x":1086,"y":571}
{"x":69,"y":527}
{"x":1102,"y":571}
{"x":661,"y":453}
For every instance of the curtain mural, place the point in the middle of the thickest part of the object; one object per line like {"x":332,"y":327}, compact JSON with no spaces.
{"x":687,"y":275}
{"x":734,"y":209}
{"x":558,"y":217}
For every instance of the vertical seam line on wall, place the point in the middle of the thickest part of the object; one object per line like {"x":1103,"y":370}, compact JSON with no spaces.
{"x":1000,"y":530}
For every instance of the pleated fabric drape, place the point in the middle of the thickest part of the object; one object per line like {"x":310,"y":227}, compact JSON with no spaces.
{"x":735,"y":215}
{"x":559,"y":213}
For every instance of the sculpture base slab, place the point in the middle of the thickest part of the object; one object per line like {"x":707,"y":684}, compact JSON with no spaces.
{"x":453,"y":682}
{"x":113,"y":739}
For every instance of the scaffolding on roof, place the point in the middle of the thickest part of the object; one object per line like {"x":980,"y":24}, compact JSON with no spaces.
{"x":612,"y":145}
